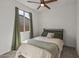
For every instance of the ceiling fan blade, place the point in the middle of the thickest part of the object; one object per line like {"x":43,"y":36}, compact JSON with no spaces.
{"x":47,"y":6}
{"x":33,"y":2}
{"x":42,"y":1}
{"x":50,"y":1}
{"x":39,"y":6}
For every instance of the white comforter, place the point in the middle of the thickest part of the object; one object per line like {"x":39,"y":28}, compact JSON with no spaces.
{"x":30,"y":51}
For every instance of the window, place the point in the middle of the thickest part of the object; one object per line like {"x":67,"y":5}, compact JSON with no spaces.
{"x":23,"y":13}
{"x":20,"y":12}
{"x":24,"y":20}
{"x":27,"y":15}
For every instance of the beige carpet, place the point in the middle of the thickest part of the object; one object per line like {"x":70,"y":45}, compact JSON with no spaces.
{"x":68,"y":52}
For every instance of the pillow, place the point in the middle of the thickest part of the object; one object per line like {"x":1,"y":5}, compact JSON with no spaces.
{"x":44,"y":33}
{"x":58,"y":35}
{"x":50,"y":35}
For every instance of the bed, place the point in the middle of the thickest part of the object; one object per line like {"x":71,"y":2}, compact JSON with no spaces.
{"x":43,"y":46}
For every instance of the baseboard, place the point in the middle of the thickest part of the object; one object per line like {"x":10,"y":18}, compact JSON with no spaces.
{"x":70,"y":45}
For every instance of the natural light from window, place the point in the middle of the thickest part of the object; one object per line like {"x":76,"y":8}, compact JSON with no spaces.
{"x":26,"y":14}
{"x":20,"y":12}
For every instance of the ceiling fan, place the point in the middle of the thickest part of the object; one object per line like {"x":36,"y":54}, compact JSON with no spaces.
{"x":43,"y":3}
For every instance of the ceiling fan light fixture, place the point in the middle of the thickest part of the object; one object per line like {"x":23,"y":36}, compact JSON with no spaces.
{"x":42,"y":5}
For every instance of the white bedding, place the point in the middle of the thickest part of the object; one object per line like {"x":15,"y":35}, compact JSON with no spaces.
{"x":30,"y":51}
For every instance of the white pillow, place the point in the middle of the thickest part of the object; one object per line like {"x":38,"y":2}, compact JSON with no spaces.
{"x":50,"y":35}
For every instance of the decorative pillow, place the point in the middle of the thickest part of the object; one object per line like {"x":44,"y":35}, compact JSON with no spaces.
{"x":50,"y":35}
{"x":58,"y":35}
{"x":44,"y":33}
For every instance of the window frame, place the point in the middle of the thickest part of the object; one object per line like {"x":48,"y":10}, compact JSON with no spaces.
{"x":24,"y":25}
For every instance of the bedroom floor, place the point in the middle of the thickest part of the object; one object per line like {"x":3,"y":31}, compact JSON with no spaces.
{"x":68,"y":52}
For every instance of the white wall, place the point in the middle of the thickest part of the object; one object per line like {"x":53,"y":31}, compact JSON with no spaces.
{"x":6,"y":25}
{"x":78,"y":27}
{"x":61,"y":15}
{"x":7,"y":16}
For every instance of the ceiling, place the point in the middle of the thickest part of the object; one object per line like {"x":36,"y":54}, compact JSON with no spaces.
{"x":34,"y":6}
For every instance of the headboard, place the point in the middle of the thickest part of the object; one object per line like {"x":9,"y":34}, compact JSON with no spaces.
{"x":58,"y":33}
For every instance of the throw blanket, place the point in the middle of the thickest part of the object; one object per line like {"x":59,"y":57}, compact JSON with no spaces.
{"x":51,"y":47}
